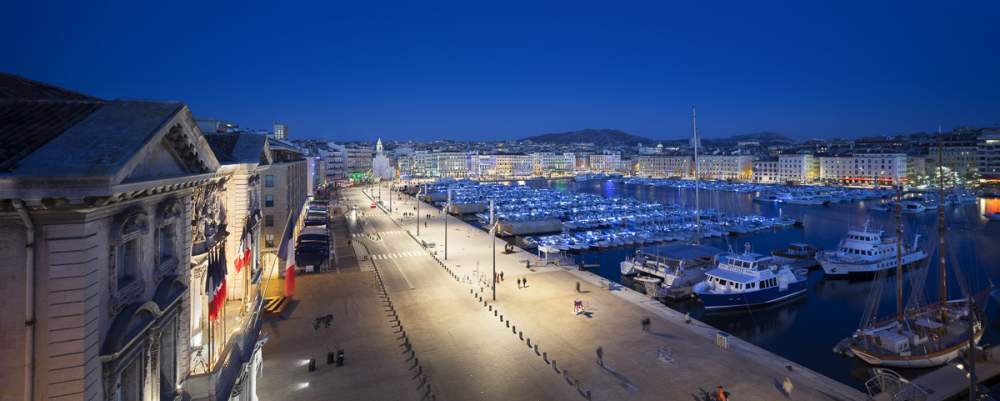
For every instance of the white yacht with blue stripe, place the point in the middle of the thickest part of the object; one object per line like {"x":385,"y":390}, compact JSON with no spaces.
{"x":749,"y":279}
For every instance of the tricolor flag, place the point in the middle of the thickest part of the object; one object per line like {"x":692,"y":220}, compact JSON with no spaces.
{"x":215,"y":282}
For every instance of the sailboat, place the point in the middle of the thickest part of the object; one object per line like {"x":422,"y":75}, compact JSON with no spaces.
{"x":920,"y":336}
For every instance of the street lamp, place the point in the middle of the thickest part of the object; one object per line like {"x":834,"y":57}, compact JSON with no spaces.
{"x":493,"y":241}
{"x":446,"y":207}
{"x":419,"y":192}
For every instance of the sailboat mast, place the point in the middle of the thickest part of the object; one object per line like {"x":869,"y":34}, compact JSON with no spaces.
{"x":943,"y":273}
{"x":899,"y":254}
{"x":697,"y":178}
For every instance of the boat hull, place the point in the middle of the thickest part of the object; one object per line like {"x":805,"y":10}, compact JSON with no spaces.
{"x":720,"y":301}
{"x":843,"y":269}
{"x":938,"y":359}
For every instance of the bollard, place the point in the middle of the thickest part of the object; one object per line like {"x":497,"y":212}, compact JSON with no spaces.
{"x":521,"y":335}
{"x":545,"y":357}
{"x":508,"y":323}
{"x":312,"y":364}
{"x":529,"y":342}
{"x":554,"y":367}
{"x":491,"y":308}
{"x":536,"y":348}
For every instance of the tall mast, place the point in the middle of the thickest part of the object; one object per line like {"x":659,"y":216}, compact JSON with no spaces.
{"x":697,"y":179}
{"x":943,"y":273}
{"x":899,"y":254}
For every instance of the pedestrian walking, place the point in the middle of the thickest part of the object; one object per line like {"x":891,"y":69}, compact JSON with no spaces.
{"x":525,"y":282}
{"x":645,"y":324}
{"x":501,"y":276}
{"x":720,"y":394}
{"x":518,"y":283}
{"x":787,"y":386}
{"x":600,"y":356}
{"x":577,"y":286}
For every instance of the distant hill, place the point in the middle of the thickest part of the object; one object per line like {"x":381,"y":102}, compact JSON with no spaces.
{"x":763,"y":137}
{"x":599,"y":137}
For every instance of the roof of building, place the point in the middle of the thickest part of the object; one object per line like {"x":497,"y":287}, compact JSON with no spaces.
{"x":33,"y":113}
{"x":49,"y":132}
{"x":237,"y":147}
{"x":100,"y":143}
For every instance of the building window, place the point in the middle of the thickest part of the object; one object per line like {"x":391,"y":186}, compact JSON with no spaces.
{"x":128,"y":262}
{"x":269,"y":240}
{"x":268,"y":200}
{"x":268,"y":220}
{"x":166,"y":245}
{"x":130,"y":384}
{"x":269,"y":181}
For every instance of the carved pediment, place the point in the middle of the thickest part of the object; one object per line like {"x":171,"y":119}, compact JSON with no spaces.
{"x":159,"y":162}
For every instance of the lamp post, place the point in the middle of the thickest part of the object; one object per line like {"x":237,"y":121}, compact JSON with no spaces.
{"x":446,"y":207}
{"x":493,"y":241}
{"x":418,"y":208}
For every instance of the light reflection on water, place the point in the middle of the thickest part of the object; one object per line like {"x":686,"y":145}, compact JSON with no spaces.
{"x":806,"y":330}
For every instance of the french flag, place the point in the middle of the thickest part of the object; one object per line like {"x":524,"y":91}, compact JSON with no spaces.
{"x":215,"y":282}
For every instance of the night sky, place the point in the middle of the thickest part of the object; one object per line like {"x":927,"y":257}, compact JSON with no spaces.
{"x":496,"y":70}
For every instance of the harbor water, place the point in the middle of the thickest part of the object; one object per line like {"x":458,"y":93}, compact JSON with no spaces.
{"x":805,"y":330}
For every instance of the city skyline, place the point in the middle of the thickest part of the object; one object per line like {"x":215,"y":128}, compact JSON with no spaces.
{"x":468,"y":72}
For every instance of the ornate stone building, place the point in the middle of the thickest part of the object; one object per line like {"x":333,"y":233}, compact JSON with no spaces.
{"x":107,"y":209}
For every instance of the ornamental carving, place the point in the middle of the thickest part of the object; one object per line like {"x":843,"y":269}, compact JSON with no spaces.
{"x":208,"y":217}
{"x":169,"y":209}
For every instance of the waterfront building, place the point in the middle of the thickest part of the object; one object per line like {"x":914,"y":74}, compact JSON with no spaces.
{"x":113,"y":211}
{"x":836,"y":169}
{"x":280,"y":131}
{"x":582,"y":161}
{"x":606,"y":162}
{"x":725,"y":167}
{"x":452,"y":165}
{"x":765,"y":171}
{"x":664,"y":166}
{"x":544,"y":163}
{"x":958,"y":152}
{"x":358,"y":159}
{"x":988,"y":153}
{"x":797,"y":168}
{"x":879,"y":168}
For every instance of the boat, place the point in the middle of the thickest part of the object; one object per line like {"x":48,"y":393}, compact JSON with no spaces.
{"x":911,"y":206}
{"x":866,"y":252}
{"x":768,"y":197}
{"x":748,"y":280}
{"x":678,"y":267}
{"x":923,"y":335}
{"x":797,"y":250}
{"x":992,"y":216}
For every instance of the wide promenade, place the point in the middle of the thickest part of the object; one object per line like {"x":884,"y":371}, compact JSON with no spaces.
{"x":673,"y":360}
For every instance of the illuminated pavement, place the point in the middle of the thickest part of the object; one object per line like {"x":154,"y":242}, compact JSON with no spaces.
{"x":543,"y":311}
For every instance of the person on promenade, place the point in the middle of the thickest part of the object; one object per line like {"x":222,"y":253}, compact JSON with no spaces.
{"x":787,"y":386}
{"x":518,"y":283}
{"x":525,"y":282}
{"x":577,"y":286}
{"x":600,"y":356}
{"x":645,"y":324}
{"x":720,"y":394}
{"x":501,"y":276}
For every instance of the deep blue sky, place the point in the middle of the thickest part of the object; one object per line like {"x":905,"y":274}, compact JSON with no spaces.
{"x":489,"y":70}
